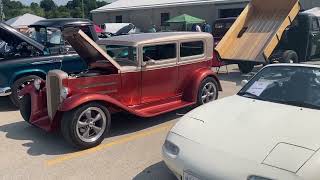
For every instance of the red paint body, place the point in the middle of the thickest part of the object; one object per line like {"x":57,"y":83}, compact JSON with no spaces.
{"x":143,"y":93}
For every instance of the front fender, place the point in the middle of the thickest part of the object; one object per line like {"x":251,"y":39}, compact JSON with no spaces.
{"x":192,"y":88}
{"x":27,"y":72}
{"x":80,"y":99}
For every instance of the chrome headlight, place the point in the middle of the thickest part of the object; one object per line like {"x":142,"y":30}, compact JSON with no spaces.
{"x":37,"y":84}
{"x":64,"y":92}
{"x":253,"y":177}
{"x":171,"y":148}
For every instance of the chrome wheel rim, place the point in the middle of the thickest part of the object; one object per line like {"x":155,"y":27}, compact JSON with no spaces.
{"x":91,"y":124}
{"x":208,"y":93}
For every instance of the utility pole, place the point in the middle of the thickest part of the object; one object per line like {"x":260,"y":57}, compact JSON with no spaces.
{"x":1,"y":11}
{"x":82,"y":9}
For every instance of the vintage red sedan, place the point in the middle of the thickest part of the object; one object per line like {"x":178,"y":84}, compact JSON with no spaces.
{"x":142,"y":74}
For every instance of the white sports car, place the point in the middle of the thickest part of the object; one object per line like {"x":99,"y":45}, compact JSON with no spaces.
{"x":269,"y":130}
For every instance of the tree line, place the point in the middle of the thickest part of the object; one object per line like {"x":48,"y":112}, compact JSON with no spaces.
{"x":49,"y":9}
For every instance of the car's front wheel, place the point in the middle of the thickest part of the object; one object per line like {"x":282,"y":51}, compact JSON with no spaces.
{"x":86,"y":126}
{"x":18,"y":85}
{"x":25,"y":107}
{"x":208,"y":91}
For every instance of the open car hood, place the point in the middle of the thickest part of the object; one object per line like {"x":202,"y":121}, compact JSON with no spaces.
{"x":9,"y":35}
{"x":125,"y":29}
{"x":86,"y":47}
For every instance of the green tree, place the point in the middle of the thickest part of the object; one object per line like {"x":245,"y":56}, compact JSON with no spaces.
{"x":76,"y":7}
{"x":47,"y":5}
{"x":49,"y":9}
{"x":12,"y":8}
{"x":36,"y":9}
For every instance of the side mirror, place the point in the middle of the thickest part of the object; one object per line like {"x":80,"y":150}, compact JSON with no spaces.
{"x":244,"y":82}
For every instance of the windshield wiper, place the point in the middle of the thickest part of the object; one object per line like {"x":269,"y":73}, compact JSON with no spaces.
{"x":250,"y":94}
{"x":304,"y":104}
{"x":297,"y":103}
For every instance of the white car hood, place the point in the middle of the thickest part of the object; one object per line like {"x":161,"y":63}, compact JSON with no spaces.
{"x":255,"y":130}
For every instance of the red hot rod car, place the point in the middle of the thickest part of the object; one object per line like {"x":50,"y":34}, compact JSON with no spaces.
{"x":142,"y":74}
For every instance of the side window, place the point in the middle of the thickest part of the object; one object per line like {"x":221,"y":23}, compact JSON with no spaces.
{"x":315,"y":25}
{"x":159,"y":52}
{"x":188,"y":49}
{"x":118,"y":19}
{"x":164,"y":18}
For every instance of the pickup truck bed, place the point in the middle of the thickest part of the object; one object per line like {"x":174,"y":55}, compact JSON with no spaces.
{"x":258,"y":30}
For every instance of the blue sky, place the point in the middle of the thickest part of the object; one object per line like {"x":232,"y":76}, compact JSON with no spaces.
{"x":59,"y":2}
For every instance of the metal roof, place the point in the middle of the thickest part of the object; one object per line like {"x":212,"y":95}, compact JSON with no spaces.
{"x":62,"y":22}
{"x":144,"y":38}
{"x":24,"y":20}
{"x":146,"y":4}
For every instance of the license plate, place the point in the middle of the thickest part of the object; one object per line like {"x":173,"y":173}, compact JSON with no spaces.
{"x":188,"y":176}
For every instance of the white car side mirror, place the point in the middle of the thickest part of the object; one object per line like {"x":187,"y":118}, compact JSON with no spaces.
{"x":244,"y":82}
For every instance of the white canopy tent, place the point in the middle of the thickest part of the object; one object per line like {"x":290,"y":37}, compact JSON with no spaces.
{"x":24,"y":20}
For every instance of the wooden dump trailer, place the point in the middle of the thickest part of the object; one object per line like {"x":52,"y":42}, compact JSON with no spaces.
{"x":257,"y":31}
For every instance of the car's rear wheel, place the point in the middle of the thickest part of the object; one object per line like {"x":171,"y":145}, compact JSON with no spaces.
{"x":245,"y":67}
{"x":18,"y":85}
{"x":25,"y":107}
{"x":86,"y":126}
{"x":208,"y":91}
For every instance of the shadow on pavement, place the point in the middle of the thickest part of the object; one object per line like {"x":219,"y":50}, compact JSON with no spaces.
{"x":157,"y":171}
{"x":6,"y":105}
{"x":126,"y":123}
{"x":42,"y":143}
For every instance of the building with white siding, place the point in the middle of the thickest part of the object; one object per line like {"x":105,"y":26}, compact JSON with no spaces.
{"x":145,"y":13}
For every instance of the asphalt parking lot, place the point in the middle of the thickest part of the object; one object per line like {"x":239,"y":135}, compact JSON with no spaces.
{"x":132,"y":151}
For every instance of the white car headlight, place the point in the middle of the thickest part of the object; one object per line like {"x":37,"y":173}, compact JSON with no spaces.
{"x":37,"y":84}
{"x":171,"y":148}
{"x":64,"y":92}
{"x":253,"y":177}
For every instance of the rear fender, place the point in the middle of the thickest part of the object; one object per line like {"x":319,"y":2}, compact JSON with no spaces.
{"x":80,"y":99}
{"x":191,"y":91}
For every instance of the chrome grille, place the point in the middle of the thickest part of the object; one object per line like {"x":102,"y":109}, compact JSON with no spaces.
{"x":54,"y":85}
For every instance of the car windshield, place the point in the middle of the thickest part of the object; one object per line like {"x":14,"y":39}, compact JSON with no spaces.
{"x":123,"y":55}
{"x":291,"y":85}
{"x":47,"y":36}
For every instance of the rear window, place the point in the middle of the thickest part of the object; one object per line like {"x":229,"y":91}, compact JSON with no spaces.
{"x":194,"y":48}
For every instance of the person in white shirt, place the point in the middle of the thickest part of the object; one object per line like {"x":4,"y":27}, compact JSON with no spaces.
{"x":198,"y":28}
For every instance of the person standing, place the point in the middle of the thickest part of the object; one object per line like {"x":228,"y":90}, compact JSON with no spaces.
{"x":198,"y":28}
{"x":207,"y":28}
{"x":153,"y":29}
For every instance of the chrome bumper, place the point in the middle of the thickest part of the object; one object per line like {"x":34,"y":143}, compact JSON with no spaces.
{"x":5,"y":91}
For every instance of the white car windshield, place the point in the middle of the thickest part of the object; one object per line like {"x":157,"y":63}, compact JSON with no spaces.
{"x":291,"y":85}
